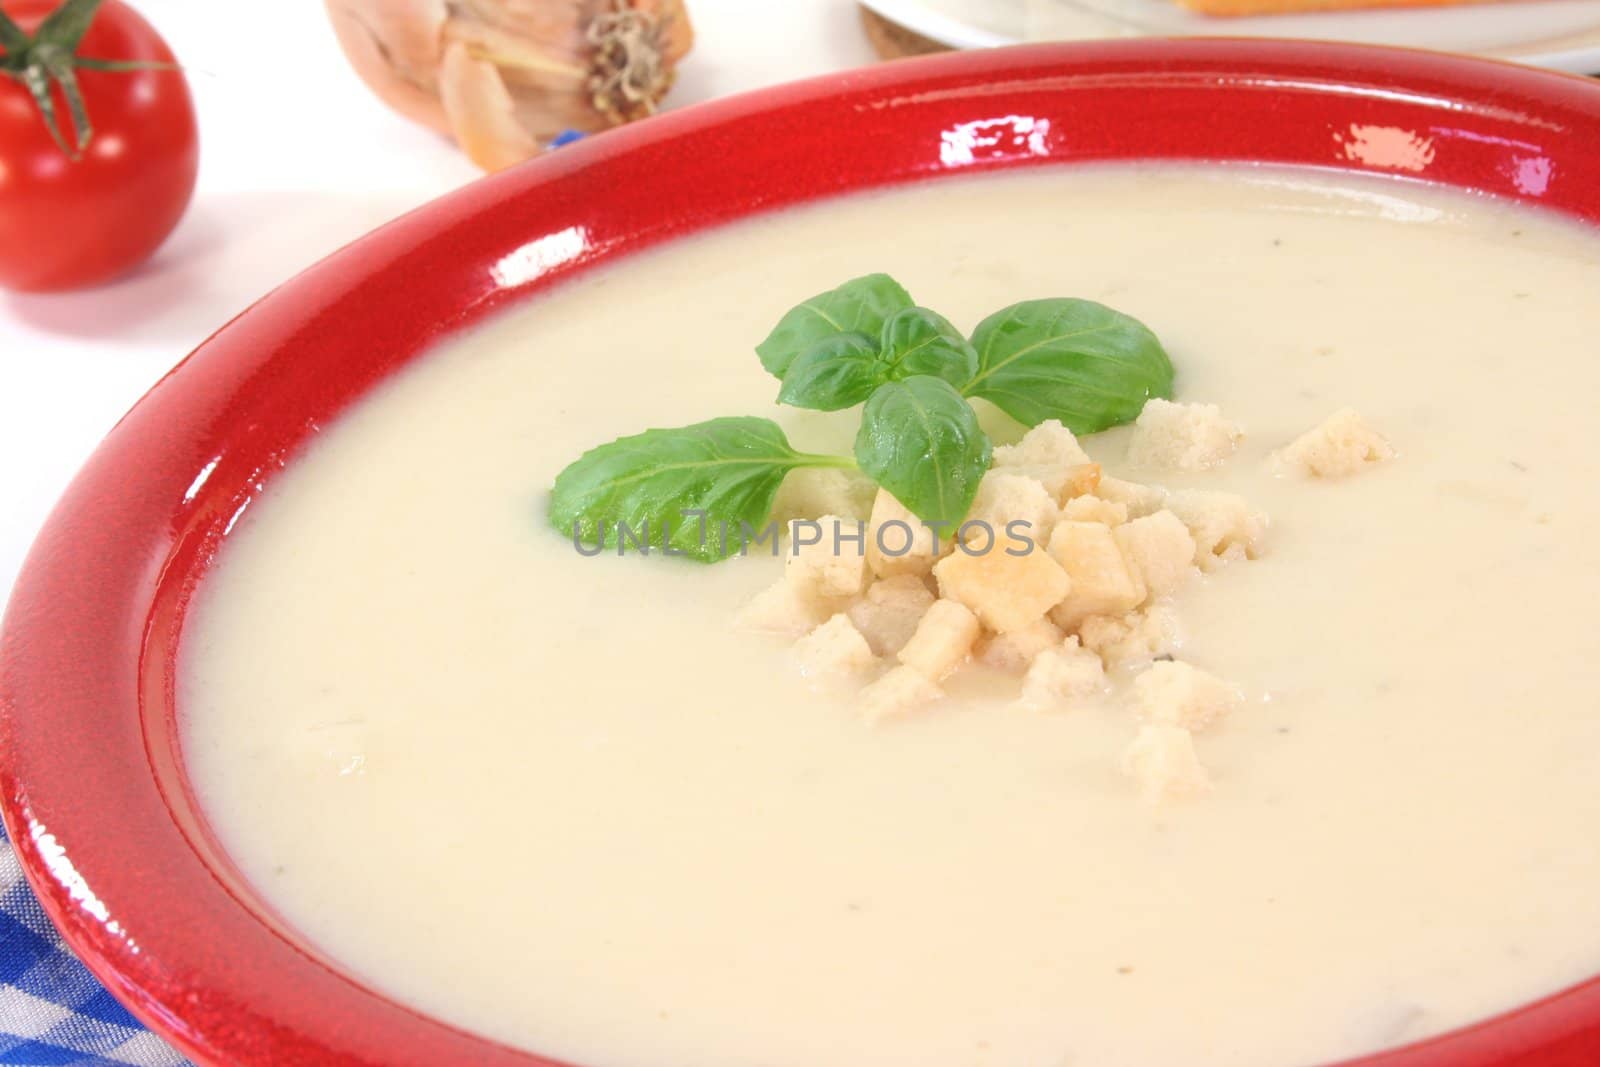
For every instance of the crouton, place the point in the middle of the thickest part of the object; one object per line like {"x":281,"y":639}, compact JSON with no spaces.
{"x":1163,"y":762}
{"x":900,"y":543}
{"x":942,"y":639}
{"x":1162,"y":549}
{"x":1090,"y":508}
{"x":832,"y":566}
{"x":1103,"y":581}
{"x":1180,"y":694}
{"x":1079,"y":480}
{"x":1062,"y":675}
{"x":1014,"y":651}
{"x":1343,"y":445}
{"x":1048,"y":444}
{"x":1140,"y":500}
{"x":1062,"y":483}
{"x":1050,"y":454}
{"x":835,"y":647}
{"x":1006,"y":591}
{"x":1004,"y":498}
{"x":888,"y":615}
{"x":1223,"y":525}
{"x":814,"y":491}
{"x":787,"y":609}
{"x":899,"y":692}
{"x":1133,"y":638}
{"x":1182,"y":437}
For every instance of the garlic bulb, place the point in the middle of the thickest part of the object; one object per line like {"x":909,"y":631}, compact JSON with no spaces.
{"x":504,"y":77}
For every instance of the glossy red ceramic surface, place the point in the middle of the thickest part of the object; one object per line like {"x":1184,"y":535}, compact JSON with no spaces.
{"x":93,"y":786}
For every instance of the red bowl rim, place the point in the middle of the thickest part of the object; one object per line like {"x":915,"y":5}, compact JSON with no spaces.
{"x":94,"y":797}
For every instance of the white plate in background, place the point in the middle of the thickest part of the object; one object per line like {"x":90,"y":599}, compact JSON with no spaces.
{"x":1560,"y":34}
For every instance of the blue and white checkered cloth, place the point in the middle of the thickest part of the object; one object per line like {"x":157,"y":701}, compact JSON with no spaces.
{"x":52,"y":1011}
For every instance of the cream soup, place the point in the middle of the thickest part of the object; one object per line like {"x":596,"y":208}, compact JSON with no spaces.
{"x":567,"y":803}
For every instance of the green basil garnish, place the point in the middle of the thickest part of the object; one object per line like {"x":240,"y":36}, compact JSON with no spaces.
{"x":858,"y":306}
{"x":866,"y":342}
{"x":921,"y":441}
{"x":727,"y":469}
{"x":835,"y":373}
{"x":918,"y":341}
{"x":1073,"y":360}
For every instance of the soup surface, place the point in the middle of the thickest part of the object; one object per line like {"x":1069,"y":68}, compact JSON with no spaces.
{"x":565,"y":802}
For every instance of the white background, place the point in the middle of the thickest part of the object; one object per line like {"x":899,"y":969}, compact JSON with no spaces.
{"x":297,"y":158}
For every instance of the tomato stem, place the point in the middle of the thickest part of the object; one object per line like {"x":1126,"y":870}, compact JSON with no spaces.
{"x":49,"y":58}
{"x":67,"y":24}
{"x":12,"y":37}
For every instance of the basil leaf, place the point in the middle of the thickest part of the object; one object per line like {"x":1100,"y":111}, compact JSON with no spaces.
{"x":918,"y":341}
{"x":921,"y":441}
{"x":1073,"y":360}
{"x":728,"y":468}
{"x":858,"y":306}
{"x":838,"y":372}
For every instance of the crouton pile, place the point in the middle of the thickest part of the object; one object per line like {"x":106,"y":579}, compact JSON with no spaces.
{"x":1060,"y":575}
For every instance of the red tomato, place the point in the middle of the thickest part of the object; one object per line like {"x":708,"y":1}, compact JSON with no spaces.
{"x":67,"y":223}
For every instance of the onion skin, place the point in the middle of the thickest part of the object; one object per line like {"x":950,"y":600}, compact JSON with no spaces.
{"x":504,"y":77}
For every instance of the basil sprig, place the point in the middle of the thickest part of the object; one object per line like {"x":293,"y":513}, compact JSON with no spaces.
{"x":858,"y":306}
{"x":918,"y":341}
{"x":1073,"y":360}
{"x":833,"y":350}
{"x":835,"y":373}
{"x":844,"y":369}
{"x":680,"y":489}
{"x":921,"y":441}
{"x":867,"y":342}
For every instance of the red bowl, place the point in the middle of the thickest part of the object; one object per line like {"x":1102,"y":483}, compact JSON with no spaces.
{"x":95,"y":797}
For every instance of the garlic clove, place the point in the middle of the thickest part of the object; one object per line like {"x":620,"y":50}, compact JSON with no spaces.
{"x":481,"y":112}
{"x":395,"y":47}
